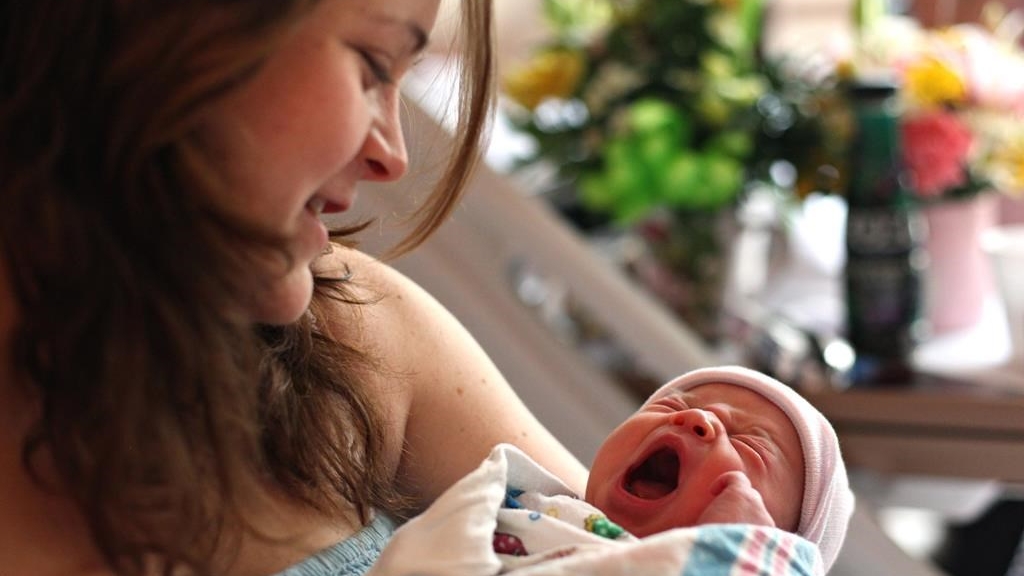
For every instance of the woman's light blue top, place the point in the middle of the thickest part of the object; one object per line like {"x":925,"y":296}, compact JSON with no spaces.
{"x":350,"y":557}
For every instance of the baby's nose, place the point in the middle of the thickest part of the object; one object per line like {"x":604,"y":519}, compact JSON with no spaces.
{"x":697,"y":421}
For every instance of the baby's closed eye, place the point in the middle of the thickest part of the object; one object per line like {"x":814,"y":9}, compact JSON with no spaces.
{"x":754,"y":444}
{"x":669,"y":403}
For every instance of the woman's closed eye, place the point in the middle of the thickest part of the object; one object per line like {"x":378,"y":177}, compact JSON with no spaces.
{"x":378,"y":72}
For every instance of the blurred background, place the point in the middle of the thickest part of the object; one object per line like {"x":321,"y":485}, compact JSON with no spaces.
{"x":831,"y":191}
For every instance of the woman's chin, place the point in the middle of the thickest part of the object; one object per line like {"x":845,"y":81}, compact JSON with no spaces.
{"x":281,"y":317}
{"x":286,"y":300}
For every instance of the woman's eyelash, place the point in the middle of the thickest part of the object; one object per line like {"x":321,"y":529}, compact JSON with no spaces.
{"x":379,"y":71}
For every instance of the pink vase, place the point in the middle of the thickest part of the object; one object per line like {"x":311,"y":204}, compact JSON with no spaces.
{"x":959,"y":277}
{"x":1011,"y":208}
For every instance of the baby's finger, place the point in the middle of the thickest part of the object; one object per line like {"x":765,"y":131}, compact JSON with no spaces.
{"x":733,"y":478}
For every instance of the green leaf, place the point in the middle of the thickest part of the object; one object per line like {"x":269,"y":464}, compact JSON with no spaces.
{"x":682,"y":178}
{"x":751,"y":17}
{"x":653,"y":114}
{"x":569,"y":16}
{"x":866,"y":13}
{"x":732,"y":143}
{"x":723,"y":178}
{"x":595,"y":193}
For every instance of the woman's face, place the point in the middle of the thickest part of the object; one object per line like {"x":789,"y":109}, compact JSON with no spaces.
{"x":655,"y":471}
{"x":319,"y":116}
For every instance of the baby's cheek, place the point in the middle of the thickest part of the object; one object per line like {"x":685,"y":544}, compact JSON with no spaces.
{"x":784,"y":503}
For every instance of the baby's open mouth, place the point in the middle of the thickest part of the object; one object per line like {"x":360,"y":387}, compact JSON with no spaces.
{"x":657,"y":476}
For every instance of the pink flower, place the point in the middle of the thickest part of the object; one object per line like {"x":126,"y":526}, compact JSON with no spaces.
{"x":994,"y":69}
{"x":935,"y":147}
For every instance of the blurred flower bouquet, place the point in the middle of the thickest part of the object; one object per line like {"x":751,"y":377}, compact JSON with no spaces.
{"x":962,"y":91}
{"x":961,"y":97}
{"x":646,"y":109}
{"x":644,"y":104}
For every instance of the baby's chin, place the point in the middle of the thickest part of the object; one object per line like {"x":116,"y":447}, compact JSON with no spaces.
{"x":642,"y":528}
{"x":638,"y":516}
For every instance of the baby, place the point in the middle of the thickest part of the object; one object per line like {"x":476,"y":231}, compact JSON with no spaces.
{"x":716,"y":445}
{"x":739,"y":456}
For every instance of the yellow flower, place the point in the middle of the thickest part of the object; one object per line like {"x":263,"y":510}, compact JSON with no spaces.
{"x":1008,"y":163}
{"x":551,"y":74}
{"x":931,"y":82}
{"x":1000,"y":156}
{"x":846,"y":69}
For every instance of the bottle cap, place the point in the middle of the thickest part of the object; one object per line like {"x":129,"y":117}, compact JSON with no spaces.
{"x":872,"y":88}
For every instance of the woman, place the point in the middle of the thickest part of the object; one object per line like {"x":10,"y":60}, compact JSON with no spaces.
{"x":193,"y":380}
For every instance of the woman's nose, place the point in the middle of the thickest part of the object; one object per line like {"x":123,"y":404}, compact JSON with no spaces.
{"x":384,"y":156}
{"x":696,"y":421}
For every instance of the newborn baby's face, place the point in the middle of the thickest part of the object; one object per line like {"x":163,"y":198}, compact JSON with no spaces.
{"x":656,"y":470}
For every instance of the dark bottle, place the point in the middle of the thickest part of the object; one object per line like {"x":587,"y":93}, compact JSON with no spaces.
{"x":884,"y":234}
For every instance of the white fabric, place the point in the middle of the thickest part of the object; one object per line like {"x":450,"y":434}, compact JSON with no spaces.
{"x":828,"y":501}
{"x":455,"y":535}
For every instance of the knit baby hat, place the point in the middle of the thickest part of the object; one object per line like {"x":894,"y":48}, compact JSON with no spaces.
{"x":828,"y":501}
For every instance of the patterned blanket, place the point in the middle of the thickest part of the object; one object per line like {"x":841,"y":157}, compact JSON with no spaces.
{"x":467,"y":532}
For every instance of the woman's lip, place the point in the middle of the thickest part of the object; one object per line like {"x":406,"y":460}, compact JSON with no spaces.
{"x":331,"y":202}
{"x":312,"y":229}
{"x":320,"y":234}
{"x":336,"y":207}
{"x":339,"y":202}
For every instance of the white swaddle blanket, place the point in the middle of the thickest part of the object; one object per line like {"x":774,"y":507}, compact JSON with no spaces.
{"x":458,"y":534}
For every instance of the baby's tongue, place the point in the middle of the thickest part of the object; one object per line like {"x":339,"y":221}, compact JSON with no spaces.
{"x":650,"y":489}
{"x":655,"y":477}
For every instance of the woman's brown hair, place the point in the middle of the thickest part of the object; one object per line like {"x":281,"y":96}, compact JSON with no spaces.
{"x":163,"y":408}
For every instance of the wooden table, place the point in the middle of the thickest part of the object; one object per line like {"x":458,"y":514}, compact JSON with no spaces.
{"x":933,"y":425}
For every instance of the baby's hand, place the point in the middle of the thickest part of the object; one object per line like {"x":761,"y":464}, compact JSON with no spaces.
{"x":735,"y":501}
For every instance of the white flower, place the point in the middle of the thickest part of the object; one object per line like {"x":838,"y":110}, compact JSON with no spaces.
{"x":612,"y":81}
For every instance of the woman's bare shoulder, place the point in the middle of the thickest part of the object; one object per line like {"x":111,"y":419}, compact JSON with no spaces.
{"x":450,"y":386}
{"x":342,"y":261}
{"x":395,"y":304}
